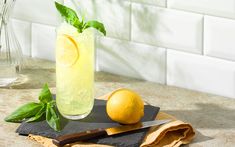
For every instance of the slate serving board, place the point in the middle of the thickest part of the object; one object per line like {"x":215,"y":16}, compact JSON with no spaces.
{"x":97,"y":119}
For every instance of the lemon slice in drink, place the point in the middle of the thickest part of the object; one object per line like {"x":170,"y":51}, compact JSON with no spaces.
{"x":67,"y":52}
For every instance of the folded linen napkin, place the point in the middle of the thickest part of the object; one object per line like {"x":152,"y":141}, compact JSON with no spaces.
{"x":172,"y":134}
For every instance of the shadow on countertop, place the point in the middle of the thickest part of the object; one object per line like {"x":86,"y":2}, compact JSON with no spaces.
{"x":208,"y":116}
{"x":35,"y":79}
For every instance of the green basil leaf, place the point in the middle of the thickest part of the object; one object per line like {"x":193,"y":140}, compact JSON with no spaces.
{"x":69,"y":15}
{"x":52,"y":117}
{"x":23,"y":112}
{"x":45,"y":95}
{"x":97,"y":25}
{"x":39,"y":115}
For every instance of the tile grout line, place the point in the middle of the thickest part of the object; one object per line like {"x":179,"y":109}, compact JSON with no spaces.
{"x":147,"y":4}
{"x":130,"y":23}
{"x":36,"y":22}
{"x":166,"y":83}
{"x":31,"y":39}
{"x":203,"y":25}
{"x":182,"y":10}
{"x":204,"y":56}
{"x":141,"y":43}
{"x":201,"y":13}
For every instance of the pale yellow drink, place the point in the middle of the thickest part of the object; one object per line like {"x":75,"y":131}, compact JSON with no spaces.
{"x":74,"y":71}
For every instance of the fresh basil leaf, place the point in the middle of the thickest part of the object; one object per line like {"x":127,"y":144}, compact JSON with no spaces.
{"x":97,"y":25}
{"x":69,"y":15}
{"x":23,"y":112}
{"x":45,"y":95}
{"x":52,"y":117}
{"x":39,"y":115}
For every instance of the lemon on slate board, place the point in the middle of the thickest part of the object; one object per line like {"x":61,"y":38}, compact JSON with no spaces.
{"x":125,"y":106}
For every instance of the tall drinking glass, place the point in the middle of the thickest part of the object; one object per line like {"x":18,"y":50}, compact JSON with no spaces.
{"x":74,"y":72}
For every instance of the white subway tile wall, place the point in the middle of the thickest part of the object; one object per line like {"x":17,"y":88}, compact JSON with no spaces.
{"x":22,"y":30}
{"x":43,"y":41}
{"x":219,"y":37}
{"x":39,"y":11}
{"x":132,"y":59}
{"x":115,"y":14}
{"x":185,"y":43}
{"x":167,"y":28}
{"x":201,"y":73}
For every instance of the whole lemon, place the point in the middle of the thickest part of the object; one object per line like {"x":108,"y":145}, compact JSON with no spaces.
{"x":125,"y":106}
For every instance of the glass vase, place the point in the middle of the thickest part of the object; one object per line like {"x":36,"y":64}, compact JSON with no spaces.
{"x":10,"y":51}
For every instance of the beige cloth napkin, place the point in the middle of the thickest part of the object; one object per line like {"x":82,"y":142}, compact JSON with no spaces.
{"x":172,"y":134}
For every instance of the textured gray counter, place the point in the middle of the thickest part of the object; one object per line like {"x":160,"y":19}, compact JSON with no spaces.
{"x":212,"y":116}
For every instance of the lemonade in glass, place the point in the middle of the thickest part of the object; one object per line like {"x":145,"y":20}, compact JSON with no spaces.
{"x":75,"y":64}
{"x":74,"y":71}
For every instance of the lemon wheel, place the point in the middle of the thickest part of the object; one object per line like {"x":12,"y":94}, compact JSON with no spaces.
{"x":67,"y":51}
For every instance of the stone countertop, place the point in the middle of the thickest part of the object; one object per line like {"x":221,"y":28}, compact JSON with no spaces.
{"x":213,"y":117}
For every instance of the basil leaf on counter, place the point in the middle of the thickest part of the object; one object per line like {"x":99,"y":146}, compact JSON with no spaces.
{"x":52,"y":117}
{"x":26,"y":111}
{"x":41,"y":113}
{"x":45,"y":95}
{"x":45,"y":110}
{"x":97,"y":25}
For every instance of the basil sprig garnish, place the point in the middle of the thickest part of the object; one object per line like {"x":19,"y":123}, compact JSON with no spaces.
{"x":44,"y":110}
{"x":72,"y":18}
